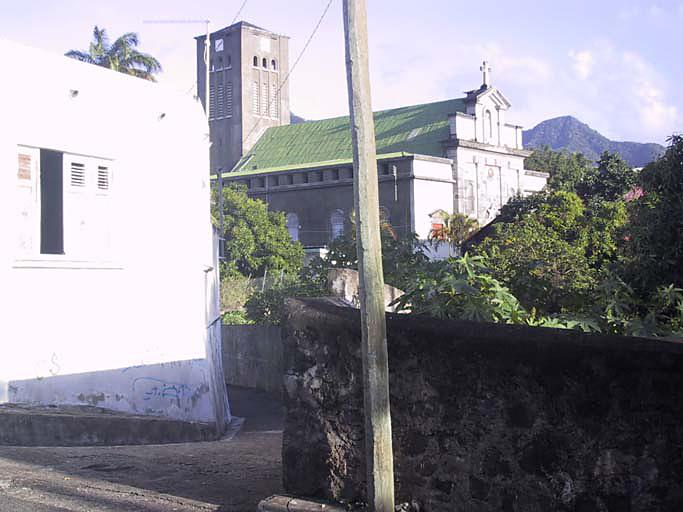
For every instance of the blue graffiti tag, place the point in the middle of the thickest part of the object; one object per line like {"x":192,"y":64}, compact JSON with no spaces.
{"x":157,"y":388}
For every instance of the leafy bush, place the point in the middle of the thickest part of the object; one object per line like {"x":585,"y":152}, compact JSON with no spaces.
{"x":235,"y":290}
{"x":266,"y":306}
{"x":236,"y":318}
{"x":463,"y":288}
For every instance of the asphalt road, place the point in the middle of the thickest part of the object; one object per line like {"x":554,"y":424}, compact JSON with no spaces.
{"x":221,"y":476}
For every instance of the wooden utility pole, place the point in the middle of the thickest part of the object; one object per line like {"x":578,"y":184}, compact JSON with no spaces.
{"x":379,"y":452}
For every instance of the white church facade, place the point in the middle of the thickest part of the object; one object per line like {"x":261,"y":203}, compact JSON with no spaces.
{"x":487,"y":154}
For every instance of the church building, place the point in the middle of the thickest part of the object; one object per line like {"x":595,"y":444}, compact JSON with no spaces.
{"x":457,"y":155}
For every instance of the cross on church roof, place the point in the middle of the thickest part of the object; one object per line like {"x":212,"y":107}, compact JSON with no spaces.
{"x":486,"y":70}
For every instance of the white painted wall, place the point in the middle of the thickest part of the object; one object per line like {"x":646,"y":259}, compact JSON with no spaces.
{"x":495,"y":177}
{"x":430,"y":195}
{"x":143,"y":301}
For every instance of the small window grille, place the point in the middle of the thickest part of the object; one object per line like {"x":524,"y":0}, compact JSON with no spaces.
{"x":102,"y":177}
{"x":77,"y":174}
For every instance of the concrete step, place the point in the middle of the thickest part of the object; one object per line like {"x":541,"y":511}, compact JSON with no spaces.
{"x":22,"y":425}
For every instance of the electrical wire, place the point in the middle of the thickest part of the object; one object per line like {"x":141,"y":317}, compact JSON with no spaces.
{"x":291,"y":70}
{"x":239,"y":11}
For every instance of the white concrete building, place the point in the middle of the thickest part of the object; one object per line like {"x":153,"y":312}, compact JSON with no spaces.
{"x":106,"y":254}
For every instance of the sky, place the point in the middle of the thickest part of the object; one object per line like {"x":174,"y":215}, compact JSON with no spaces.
{"x":613,"y":64}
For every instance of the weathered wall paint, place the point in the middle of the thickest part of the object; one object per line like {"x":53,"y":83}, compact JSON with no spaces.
{"x":178,"y":390}
{"x":143,"y":303}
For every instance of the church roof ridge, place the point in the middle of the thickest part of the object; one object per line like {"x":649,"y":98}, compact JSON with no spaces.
{"x":418,"y":129}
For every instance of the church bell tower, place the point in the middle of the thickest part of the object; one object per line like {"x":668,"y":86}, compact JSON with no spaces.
{"x":248,"y":94}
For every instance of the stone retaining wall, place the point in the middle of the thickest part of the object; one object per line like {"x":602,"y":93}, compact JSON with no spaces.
{"x":487,"y":417}
{"x":252,"y":357}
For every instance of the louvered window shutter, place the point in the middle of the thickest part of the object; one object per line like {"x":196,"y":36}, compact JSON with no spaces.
{"x":228,"y":99}
{"x":220,"y":101}
{"x":254,"y":97}
{"x":212,"y":96}
{"x":101,"y":212}
{"x":76,"y":205}
{"x":273,"y":100}
{"x":264,"y":99}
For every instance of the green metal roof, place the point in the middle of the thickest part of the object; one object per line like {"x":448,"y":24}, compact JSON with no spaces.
{"x":419,"y":129}
{"x":312,"y":165}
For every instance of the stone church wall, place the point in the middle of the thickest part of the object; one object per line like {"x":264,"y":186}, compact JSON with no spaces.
{"x":487,"y":417}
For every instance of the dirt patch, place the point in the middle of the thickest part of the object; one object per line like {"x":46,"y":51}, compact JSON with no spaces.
{"x":227,"y":476}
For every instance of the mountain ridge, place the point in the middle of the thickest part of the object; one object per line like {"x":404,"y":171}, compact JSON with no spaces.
{"x":568,"y":133}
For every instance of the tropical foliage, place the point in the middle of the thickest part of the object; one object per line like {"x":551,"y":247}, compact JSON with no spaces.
{"x":122,"y":55}
{"x":455,"y":229}
{"x":256,"y":240}
{"x":552,"y":249}
{"x":654,"y":251}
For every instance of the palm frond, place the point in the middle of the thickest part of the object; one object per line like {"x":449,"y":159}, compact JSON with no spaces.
{"x":121,"y":56}
{"x":79,"y":55}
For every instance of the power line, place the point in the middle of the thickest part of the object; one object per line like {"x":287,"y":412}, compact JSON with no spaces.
{"x":239,"y":11}
{"x":291,"y":70}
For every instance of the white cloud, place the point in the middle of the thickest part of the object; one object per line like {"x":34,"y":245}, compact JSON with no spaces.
{"x":583,"y":63}
{"x":650,"y":102}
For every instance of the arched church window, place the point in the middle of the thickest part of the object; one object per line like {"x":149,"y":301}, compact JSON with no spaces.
{"x":337,"y":224}
{"x":292,"y":222}
{"x":488,"y":126}
{"x":255,"y":61}
{"x":469,"y":197}
{"x":273,"y":64}
{"x":265,"y":63}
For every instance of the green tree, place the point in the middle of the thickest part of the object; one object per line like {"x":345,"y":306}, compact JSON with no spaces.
{"x":655,"y":245}
{"x":610,"y":180}
{"x":551,"y":249}
{"x":122,"y":55}
{"x":567,"y":170}
{"x":256,"y":240}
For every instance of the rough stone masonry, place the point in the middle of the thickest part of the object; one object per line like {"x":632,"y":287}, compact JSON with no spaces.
{"x":487,"y":417}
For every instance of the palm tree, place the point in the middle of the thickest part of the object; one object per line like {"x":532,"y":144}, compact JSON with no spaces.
{"x":120,"y":56}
